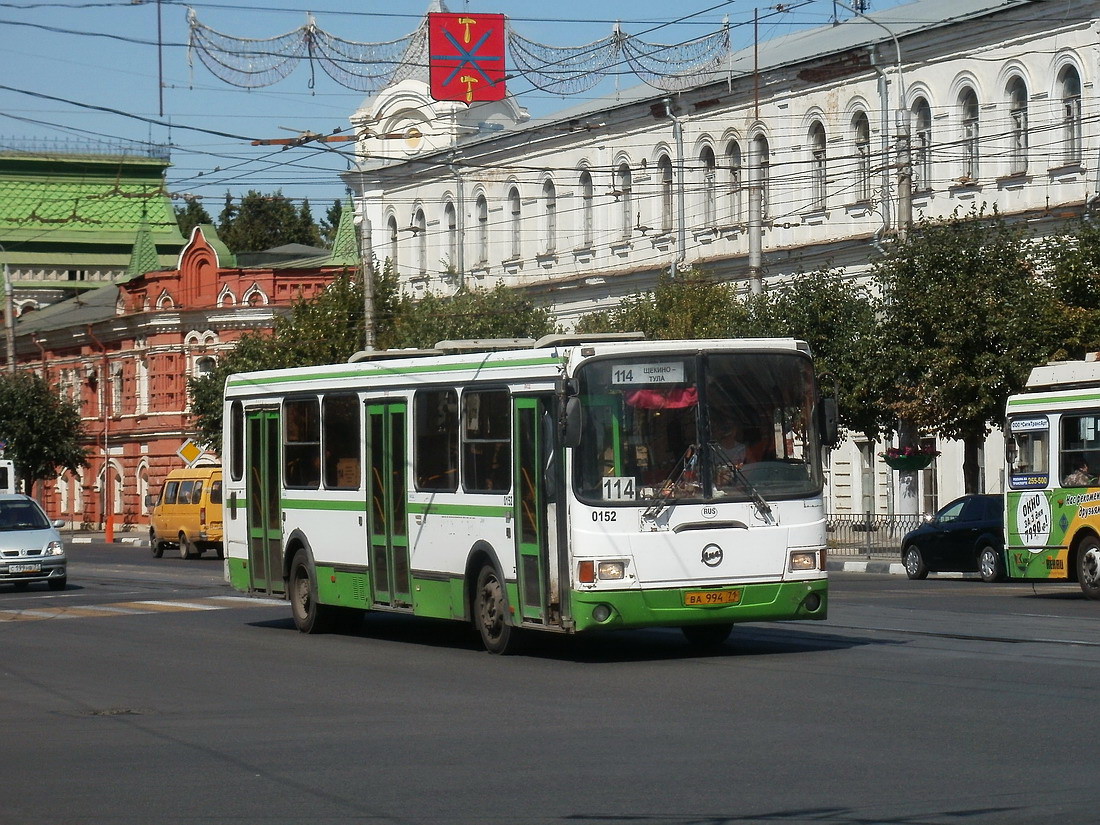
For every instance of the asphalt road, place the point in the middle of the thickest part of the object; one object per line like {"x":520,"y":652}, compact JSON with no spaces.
{"x":150,"y":692}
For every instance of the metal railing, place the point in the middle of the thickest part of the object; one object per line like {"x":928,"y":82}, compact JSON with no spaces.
{"x":854,"y":534}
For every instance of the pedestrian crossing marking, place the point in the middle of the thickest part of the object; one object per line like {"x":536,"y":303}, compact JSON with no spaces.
{"x":135,"y":608}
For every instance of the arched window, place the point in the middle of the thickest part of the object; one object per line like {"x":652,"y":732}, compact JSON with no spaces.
{"x":420,"y":229}
{"x":514,"y":213}
{"x":817,"y":166}
{"x":706,"y":161}
{"x":550,"y":225}
{"x":1017,"y":113}
{"x":968,"y":112}
{"x":664,"y":168}
{"x":762,"y":171}
{"x":733,"y":162}
{"x":1069,"y":82}
{"x":586,"y":209}
{"x":391,"y":227}
{"x":450,"y":219}
{"x":623,"y":186}
{"x":922,"y":145}
{"x":482,"y":230}
{"x":861,"y":131}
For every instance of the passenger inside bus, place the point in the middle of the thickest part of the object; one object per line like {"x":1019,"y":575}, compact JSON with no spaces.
{"x":1081,"y":477}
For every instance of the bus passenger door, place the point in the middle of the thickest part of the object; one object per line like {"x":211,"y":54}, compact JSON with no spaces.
{"x":530,"y":515}
{"x":387,"y":522}
{"x":262,"y":491}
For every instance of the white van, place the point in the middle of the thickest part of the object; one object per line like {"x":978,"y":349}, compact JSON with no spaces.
{"x":7,"y":476}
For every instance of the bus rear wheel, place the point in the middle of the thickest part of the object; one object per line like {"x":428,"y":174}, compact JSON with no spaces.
{"x":309,"y":615}
{"x":489,"y":610}
{"x":1088,"y":567}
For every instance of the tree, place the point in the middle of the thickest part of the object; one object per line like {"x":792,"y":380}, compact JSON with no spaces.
{"x":836,"y":317}
{"x":1071,"y":260}
{"x":690,"y":305}
{"x":331,"y":222}
{"x":265,"y":221}
{"x":42,"y":432}
{"x":964,"y":319}
{"x":190,"y":216}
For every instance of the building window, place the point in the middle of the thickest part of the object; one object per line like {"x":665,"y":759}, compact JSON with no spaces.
{"x":762,"y":171}
{"x":420,"y":230}
{"x":922,"y":146}
{"x":623,"y":191}
{"x":862,"y":132}
{"x":733,"y":163}
{"x":391,"y":226}
{"x":586,"y":209}
{"x":482,"y":229}
{"x":664,"y":167}
{"x":450,"y":218}
{"x":706,"y":160}
{"x":514,"y":212}
{"x":550,"y":226}
{"x":968,"y":109}
{"x":1070,"y":82}
{"x":1017,"y":113}
{"x":817,"y":166}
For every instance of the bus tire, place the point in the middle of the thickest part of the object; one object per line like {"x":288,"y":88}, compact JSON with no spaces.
{"x":1088,"y":567}
{"x":990,"y":564}
{"x":915,"y":568}
{"x":489,"y":611}
{"x":310,"y":616}
{"x":707,"y":635}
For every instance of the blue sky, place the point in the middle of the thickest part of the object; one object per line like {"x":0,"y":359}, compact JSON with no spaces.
{"x":104,"y":55}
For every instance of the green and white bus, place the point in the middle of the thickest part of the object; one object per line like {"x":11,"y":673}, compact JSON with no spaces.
{"x":563,"y":485}
{"x":1052,"y":494}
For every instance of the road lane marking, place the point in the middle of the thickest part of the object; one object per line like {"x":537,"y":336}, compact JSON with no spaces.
{"x":136,"y":608}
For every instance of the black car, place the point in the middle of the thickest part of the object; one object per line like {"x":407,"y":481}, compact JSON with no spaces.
{"x":966,"y":536}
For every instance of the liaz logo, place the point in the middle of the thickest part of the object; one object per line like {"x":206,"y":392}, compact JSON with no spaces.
{"x":712,"y":555}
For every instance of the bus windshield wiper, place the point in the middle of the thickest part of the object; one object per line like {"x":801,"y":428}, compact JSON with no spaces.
{"x":721,"y":459}
{"x":685,"y":463}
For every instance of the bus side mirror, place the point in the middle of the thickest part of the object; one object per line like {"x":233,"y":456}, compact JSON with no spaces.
{"x":829,"y":427}
{"x":572,"y":435}
{"x":150,"y":500}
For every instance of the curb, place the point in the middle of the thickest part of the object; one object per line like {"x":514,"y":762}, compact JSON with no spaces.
{"x":134,"y":540}
{"x":887,"y":567}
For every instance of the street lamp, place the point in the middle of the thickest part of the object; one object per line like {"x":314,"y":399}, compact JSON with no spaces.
{"x":905,"y":178}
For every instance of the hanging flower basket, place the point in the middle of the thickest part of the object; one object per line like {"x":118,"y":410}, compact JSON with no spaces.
{"x":908,"y":458}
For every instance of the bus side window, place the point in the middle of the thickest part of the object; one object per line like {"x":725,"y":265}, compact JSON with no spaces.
{"x":302,"y":442}
{"x":435,"y":434}
{"x":486,"y":441}
{"x":342,"y":432}
{"x":168,"y":495}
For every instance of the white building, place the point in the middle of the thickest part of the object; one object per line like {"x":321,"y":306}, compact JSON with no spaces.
{"x":591,"y":204}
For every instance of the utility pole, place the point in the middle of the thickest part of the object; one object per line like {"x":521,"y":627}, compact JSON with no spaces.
{"x":905,"y":173}
{"x":9,"y":316}
{"x":366,"y":269}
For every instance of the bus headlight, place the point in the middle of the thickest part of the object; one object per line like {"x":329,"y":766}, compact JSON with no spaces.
{"x":802,"y":560}
{"x":611,"y":570}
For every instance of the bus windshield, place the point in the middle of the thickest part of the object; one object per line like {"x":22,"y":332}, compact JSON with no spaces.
{"x":716,"y":427}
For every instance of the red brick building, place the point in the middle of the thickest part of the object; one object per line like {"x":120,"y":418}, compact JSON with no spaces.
{"x":124,"y":352}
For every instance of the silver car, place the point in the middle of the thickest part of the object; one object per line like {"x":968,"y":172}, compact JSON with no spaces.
{"x":31,"y":549}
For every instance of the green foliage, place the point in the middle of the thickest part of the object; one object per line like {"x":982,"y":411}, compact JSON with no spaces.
{"x":836,"y":317}
{"x":690,"y":305}
{"x":471,"y":313}
{"x":964,"y":319}
{"x":190,"y":216}
{"x":262,"y":222}
{"x":42,"y":431}
{"x":329,"y":329}
{"x":330,"y":223}
{"x":1071,"y":260}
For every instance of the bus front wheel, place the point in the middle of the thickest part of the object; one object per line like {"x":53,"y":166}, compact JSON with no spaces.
{"x":1088,"y":567}
{"x":489,"y":610}
{"x":309,"y":615}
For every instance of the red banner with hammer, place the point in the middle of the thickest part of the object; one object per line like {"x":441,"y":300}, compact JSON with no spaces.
{"x":466,"y":56}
